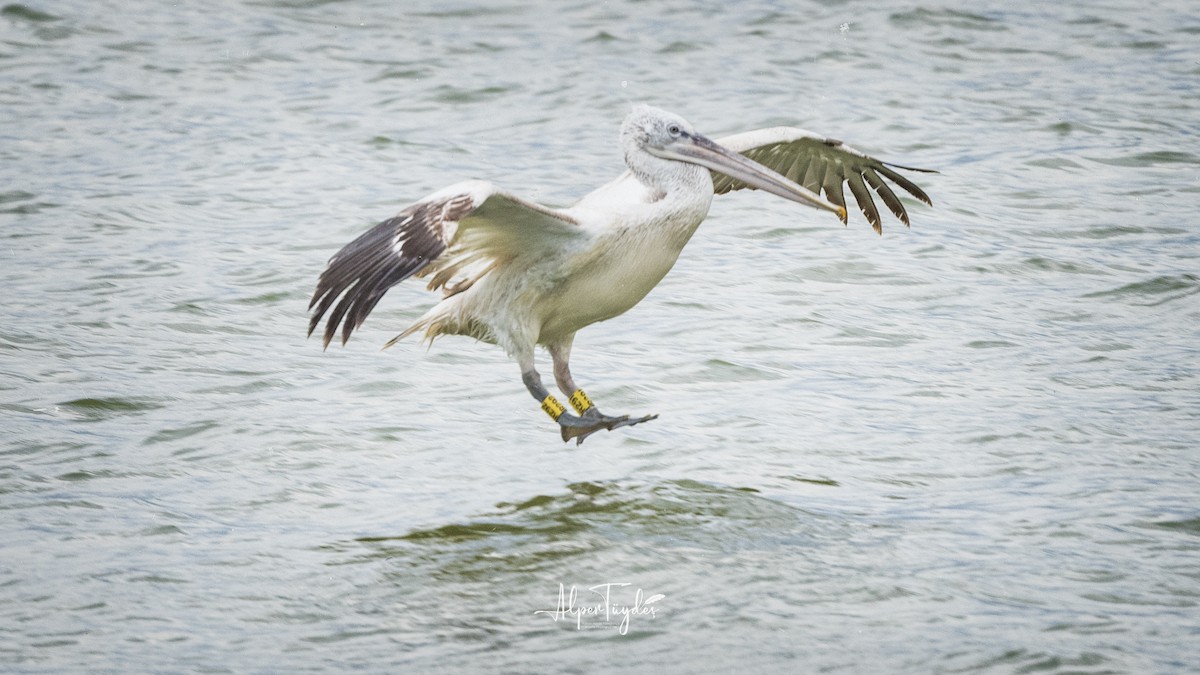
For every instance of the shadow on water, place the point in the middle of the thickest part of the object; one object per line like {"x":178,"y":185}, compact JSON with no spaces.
{"x":540,"y":532}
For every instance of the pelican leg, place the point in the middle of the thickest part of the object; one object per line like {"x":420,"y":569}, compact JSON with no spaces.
{"x":572,"y":426}
{"x":561,"y":355}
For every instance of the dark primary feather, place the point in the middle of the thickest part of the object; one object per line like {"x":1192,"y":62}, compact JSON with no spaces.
{"x":367,"y":267}
{"x":825,"y":165}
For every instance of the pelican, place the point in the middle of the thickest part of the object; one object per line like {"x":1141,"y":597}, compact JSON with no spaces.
{"x":519,"y":274}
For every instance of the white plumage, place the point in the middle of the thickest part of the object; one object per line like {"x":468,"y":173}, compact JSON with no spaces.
{"x":520,"y":274}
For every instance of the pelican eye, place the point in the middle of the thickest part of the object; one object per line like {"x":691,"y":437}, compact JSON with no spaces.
{"x":674,"y":130}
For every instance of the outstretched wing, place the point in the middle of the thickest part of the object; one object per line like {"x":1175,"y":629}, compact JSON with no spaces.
{"x":443,"y":234}
{"x":823,"y":165}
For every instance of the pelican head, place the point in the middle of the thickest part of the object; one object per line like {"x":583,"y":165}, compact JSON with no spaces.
{"x":668,"y":136}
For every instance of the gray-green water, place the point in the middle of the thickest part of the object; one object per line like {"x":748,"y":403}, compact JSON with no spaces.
{"x":966,"y":447}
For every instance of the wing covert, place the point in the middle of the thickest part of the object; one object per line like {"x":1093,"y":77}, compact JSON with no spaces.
{"x":442,"y":234}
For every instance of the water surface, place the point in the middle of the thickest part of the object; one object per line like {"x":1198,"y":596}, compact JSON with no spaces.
{"x":965,"y":447}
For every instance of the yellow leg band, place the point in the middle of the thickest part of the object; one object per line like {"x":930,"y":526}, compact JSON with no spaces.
{"x":580,"y":401}
{"x":553,"y":408}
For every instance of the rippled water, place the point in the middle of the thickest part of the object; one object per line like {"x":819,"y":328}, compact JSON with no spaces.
{"x":965,"y":447}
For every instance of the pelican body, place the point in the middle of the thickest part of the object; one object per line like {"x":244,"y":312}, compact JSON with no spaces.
{"x":518,"y":274}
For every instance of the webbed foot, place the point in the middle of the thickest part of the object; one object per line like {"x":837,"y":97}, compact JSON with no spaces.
{"x":592,"y":421}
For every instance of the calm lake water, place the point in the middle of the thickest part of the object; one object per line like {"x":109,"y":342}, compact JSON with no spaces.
{"x":969,"y":446}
